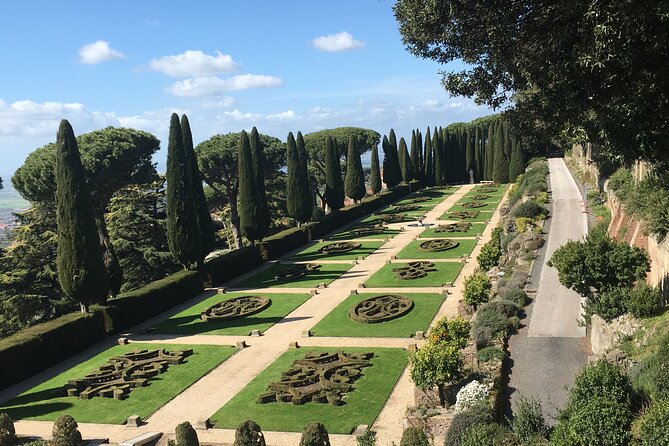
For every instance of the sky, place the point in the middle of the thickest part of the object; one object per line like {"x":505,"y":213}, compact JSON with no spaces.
{"x":298,"y":65}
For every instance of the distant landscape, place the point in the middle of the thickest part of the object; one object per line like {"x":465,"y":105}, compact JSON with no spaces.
{"x":10,"y":202}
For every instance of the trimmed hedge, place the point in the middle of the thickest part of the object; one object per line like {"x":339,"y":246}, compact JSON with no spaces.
{"x":136,"y":306}
{"x":232,"y":264}
{"x":278,"y":244}
{"x":41,"y":346}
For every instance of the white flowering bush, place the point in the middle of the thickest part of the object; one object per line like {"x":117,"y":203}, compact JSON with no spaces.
{"x":470,"y":395}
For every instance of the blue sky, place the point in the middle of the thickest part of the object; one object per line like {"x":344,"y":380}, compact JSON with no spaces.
{"x":279,"y":65}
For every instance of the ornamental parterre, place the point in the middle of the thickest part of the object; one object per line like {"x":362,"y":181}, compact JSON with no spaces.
{"x":295,"y":272}
{"x":438,"y":245}
{"x":338,"y":247}
{"x":235,"y":308}
{"x":380,"y":309}
{"x":414,"y":270}
{"x":464,"y":215}
{"x":460,"y":226}
{"x":473,"y":204}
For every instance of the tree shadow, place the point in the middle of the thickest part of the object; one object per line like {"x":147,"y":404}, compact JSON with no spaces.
{"x":36,"y":410}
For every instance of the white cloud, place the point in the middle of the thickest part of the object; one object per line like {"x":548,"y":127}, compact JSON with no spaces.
{"x":213,"y":85}
{"x":193,"y":63}
{"x":342,"y":41}
{"x":240,"y":116}
{"x":283,"y":116}
{"x":224,"y":102}
{"x":98,"y":51}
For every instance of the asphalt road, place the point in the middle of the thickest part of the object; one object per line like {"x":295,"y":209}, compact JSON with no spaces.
{"x":551,"y":347}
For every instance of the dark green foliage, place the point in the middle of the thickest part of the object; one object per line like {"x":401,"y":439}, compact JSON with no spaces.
{"x":414,"y":436}
{"x":455,"y":330}
{"x":438,"y":159}
{"x":7,"y":431}
{"x":505,"y":307}
{"x":232,"y":264}
{"x":654,"y":424}
{"x":429,"y":160}
{"x":186,"y":435}
{"x":463,"y":421}
{"x":489,"y":353}
{"x":600,"y":379}
{"x":491,"y":252}
{"x":354,"y":183}
{"x":81,"y":271}
{"x":251,"y":212}
{"x":298,"y":194}
{"x":489,"y":152}
{"x":529,"y":209}
{"x":258,"y":156}
{"x":375,"y":172}
{"x":476,"y":290}
{"x":315,"y":434}
{"x":200,"y":202}
{"x":278,"y":244}
{"x":598,"y":422}
{"x":333,"y":182}
{"x":416,"y":150}
{"x":405,"y":162}
{"x":65,"y":432}
{"x":608,"y":304}
{"x":470,"y":154}
{"x":183,"y":228}
{"x":489,"y":325}
{"x":516,"y":295}
{"x":528,"y":419}
{"x":490,"y":434}
{"x":249,"y":434}
{"x":644,"y":301}
{"x":392,"y":174}
{"x":517,"y":161}
{"x":500,"y":169}
{"x":479,"y":147}
{"x":368,"y":438}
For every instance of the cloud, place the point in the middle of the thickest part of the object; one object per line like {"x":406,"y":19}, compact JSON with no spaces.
{"x":213,"y":85}
{"x":98,"y":51}
{"x":283,"y":116}
{"x":223,"y":102}
{"x":193,"y":63}
{"x":241,"y":116}
{"x":342,"y":41}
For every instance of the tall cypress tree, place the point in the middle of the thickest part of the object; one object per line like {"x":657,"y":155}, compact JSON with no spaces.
{"x":333,"y":197}
{"x":354,"y":183}
{"x":298,"y":195}
{"x":469,"y":155}
{"x":337,"y":167}
{"x":429,"y":160}
{"x":251,"y":214}
{"x":415,"y":157}
{"x":81,"y":270}
{"x":375,"y":172}
{"x":201,"y":206}
{"x":391,"y":168}
{"x":419,"y":145}
{"x":489,"y":151}
{"x":517,"y":161}
{"x":183,"y":228}
{"x":405,"y":165}
{"x":258,"y":157}
{"x":500,"y":170}
{"x":478,"y":155}
{"x":438,"y":150}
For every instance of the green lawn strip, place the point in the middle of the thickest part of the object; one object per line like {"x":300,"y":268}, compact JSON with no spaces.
{"x":311,"y":253}
{"x":188,"y":322}
{"x":346,"y":235}
{"x":489,"y":206}
{"x":474,"y":230}
{"x":363,"y":404}
{"x":482,"y":217}
{"x":372,"y":218}
{"x":43,"y":403}
{"x":385,"y":277}
{"x":490,"y":199}
{"x":412,"y":251}
{"x":477,"y":191}
{"x":327,"y":273}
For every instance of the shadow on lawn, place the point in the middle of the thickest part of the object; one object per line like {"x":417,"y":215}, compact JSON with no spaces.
{"x":192,"y":325}
{"x":36,"y":410}
{"x":266,"y":279}
{"x":358,"y":252}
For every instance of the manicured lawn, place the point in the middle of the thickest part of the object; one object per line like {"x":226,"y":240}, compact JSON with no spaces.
{"x":433,"y":201}
{"x":188,"y":322}
{"x":482,"y":216}
{"x":491,"y":198}
{"x":412,"y":251}
{"x":362,"y":406}
{"x":385,"y":277}
{"x":489,"y":206}
{"x":500,"y":190}
{"x":338,"y":323}
{"x":311,"y":253}
{"x":325,"y":274}
{"x":346,"y":235}
{"x":44,"y":403}
{"x":474,"y":230}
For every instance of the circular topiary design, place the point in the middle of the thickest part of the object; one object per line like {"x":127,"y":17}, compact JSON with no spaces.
{"x":235,"y":308}
{"x":402,"y":208}
{"x":295,"y":272}
{"x":381,"y":309}
{"x":367,"y":230}
{"x":388,"y":218}
{"x":460,"y":226}
{"x":480,"y":197}
{"x":338,"y":247}
{"x":420,"y":200}
{"x":488,"y":190}
{"x":465,"y":215}
{"x":473,"y":204}
{"x":414,"y":270}
{"x":438,"y":245}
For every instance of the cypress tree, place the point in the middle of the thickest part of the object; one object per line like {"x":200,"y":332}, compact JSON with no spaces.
{"x":375,"y":172}
{"x":437,"y":148}
{"x":315,"y":434}
{"x":489,"y":151}
{"x":258,"y":158}
{"x":251,"y":214}
{"x":333,"y":197}
{"x":201,"y":206}
{"x":81,"y":270}
{"x":183,"y":228}
{"x":415,"y":157}
{"x":298,"y":194}
{"x":419,"y":145}
{"x":400,"y":158}
{"x":478,"y":154}
{"x":405,"y":165}
{"x":500,"y":170}
{"x":429,"y":161}
{"x":517,"y":162}
{"x":391,"y":169}
{"x":338,"y":176}
{"x":392,"y":139}
{"x":469,"y":155}
{"x":355,"y":178}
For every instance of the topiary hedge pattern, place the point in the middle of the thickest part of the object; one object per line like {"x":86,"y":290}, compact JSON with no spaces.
{"x":295,"y":272}
{"x":438,"y":245}
{"x":464,"y":215}
{"x":453,"y":227}
{"x":382,"y":308}
{"x":474,"y":204}
{"x":338,"y":247}
{"x":235,"y":308}
{"x":414,"y":270}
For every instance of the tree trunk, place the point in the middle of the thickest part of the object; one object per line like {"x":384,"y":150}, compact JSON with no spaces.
{"x":83,"y":308}
{"x":114,"y":272}
{"x":234,"y":221}
{"x":442,"y":398}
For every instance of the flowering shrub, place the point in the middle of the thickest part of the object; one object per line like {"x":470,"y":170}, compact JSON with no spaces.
{"x":471,"y":395}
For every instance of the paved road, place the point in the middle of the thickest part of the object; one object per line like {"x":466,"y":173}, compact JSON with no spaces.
{"x":551,"y":348}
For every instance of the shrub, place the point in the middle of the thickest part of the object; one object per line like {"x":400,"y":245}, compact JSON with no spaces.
{"x":476,"y":290}
{"x":505,"y":240}
{"x":455,"y":330}
{"x":65,"y":432}
{"x":7,"y":431}
{"x":491,"y":252}
{"x":598,"y":422}
{"x":414,"y":436}
{"x":186,"y":435}
{"x":600,"y":380}
{"x":491,"y":434}
{"x":285,"y":241}
{"x":434,"y":365}
{"x":368,"y":438}
{"x":528,"y":419}
{"x":232,"y":264}
{"x":529,"y":209}
{"x":505,"y":307}
{"x":609,"y":304}
{"x":542,"y":198}
{"x":524,"y":223}
{"x":654,"y":424}
{"x":490,"y":324}
{"x":315,"y":434}
{"x":249,"y":434}
{"x":489,"y":353}
{"x":662,"y":380}
{"x":516,"y":295}
{"x":470,"y":395}
{"x":644,"y":301}
{"x":462,"y":421}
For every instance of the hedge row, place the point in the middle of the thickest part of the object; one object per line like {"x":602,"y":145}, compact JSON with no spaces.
{"x":232,"y":264}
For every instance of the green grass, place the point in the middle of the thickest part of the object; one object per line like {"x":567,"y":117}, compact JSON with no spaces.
{"x":474,"y":230}
{"x":491,"y":198}
{"x":411,"y":251}
{"x":338,"y":323}
{"x":188,"y":322}
{"x":311,"y":253}
{"x":346,"y":235}
{"x":371,"y":218}
{"x":500,"y":190}
{"x":385,"y":277}
{"x":327,"y":273}
{"x":362,"y":406}
{"x":43,"y":403}
{"x":490,"y":206}
{"x":482,"y":217}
